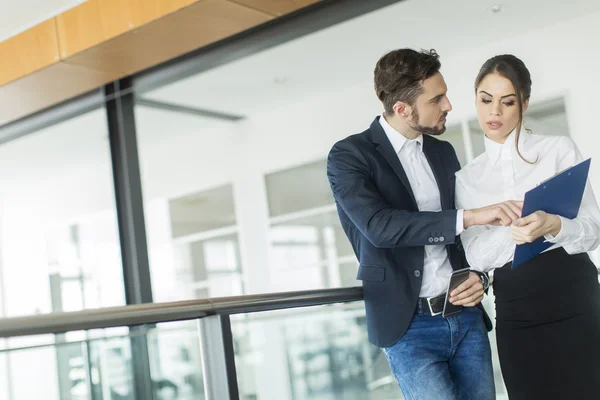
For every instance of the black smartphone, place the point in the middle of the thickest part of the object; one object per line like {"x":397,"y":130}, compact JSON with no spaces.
{"x":457,"y":277}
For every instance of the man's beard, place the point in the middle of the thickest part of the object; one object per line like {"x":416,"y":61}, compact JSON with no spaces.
{"x":427,"y":130}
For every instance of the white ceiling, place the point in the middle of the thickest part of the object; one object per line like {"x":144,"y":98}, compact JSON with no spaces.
{"x":17,"y":16}
{"x":344,"y":55}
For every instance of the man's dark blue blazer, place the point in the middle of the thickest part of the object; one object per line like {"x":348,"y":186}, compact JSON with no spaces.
{"x":379,"y":213}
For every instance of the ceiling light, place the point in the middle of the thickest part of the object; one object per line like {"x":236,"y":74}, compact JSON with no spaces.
{"x":280,"y":80}
{"x":496,"y":8}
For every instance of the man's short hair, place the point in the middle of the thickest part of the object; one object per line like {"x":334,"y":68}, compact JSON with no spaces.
{"x":400,"y":73}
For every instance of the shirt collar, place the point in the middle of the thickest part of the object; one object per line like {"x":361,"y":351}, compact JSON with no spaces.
{"x":397,"y":139}
{"x":494,"y":150}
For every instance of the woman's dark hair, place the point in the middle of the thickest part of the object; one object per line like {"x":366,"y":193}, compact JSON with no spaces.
{"x":400,"y":73}
{"x":513,"y":69}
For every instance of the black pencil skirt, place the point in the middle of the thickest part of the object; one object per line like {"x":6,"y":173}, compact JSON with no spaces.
{"x":548,"y":327}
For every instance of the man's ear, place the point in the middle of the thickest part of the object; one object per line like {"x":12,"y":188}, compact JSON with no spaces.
{"x":402,"y":109}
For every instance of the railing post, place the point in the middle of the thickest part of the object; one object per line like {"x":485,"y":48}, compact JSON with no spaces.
{"x":218,"y":363}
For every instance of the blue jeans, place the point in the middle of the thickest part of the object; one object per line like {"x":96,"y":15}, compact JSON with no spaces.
{"x":444,"y":358}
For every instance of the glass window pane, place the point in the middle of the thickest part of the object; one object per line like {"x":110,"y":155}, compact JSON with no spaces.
{"x":209,"y":268}
{"x":348,"y":272}
{"x":307,"y":252}
{"x":298,"y":188}
{"x":39,"y":365}
{"x":59,"y":242}
{"x":306,"y":238}
{"x":477,"y":138}
{"x":202,"y":211}
{"x":549,"y":118}
{"x":189,"y":206}
{"x":454,"y":135}
{"x":58,"y":224}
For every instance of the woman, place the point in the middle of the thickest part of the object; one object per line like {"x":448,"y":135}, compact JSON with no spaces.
{"x":547,"y":309}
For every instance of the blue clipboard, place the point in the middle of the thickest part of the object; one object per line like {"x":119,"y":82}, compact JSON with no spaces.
{"x":560,"y":195}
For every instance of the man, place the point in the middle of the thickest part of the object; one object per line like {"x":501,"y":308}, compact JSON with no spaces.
{"x":394,"y":189}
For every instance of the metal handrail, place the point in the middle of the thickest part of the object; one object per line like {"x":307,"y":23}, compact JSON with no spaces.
{"x":169,"y":312}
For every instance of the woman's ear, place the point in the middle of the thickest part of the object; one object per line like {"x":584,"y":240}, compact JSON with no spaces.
{"x":525,"y":105}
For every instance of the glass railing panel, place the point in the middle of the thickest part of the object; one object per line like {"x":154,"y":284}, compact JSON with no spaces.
{"x":102,"y":368}
{"x":61,"y":371}
{"x":317,"y":353}
{"x":175,"y":364}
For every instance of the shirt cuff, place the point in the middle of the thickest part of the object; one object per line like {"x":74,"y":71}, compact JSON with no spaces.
{"x":567,"y":227}
{"x":460,"y":224}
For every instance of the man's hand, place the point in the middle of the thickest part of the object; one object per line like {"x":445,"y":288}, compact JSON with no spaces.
{"x":469,"y":293}
{"x":503,"y":214}
{"x":534,"y":226}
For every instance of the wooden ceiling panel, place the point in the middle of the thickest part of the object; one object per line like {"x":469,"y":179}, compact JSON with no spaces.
{"x":29,"y":51}
{"x":97,"y":21}
{"x":201,"y":24}
{"x":47,"y":87}
{"x":276,"y":7}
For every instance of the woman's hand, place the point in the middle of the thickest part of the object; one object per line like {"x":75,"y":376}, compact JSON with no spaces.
{"x":534,"y":226}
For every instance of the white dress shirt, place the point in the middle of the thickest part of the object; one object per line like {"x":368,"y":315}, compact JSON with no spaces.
{"x":437,"y":268}
{"x":500,"y":174}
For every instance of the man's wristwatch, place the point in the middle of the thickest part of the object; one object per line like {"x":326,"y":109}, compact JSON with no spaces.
{"x":485,"y":280}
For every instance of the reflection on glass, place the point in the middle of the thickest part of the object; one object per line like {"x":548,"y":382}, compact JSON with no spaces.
{"x":175,"y":361}
{"x":306,"y":251}
{"x":80,"y":257}
{"x":194,"y":246}
{"x":209,"y":268}
{"x":110,"y":368}
{"x":316,"y":353}
{"x":188,"y":163}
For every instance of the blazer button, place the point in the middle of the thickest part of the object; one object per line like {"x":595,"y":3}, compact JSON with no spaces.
{"x":430,"y":240}
{"x":417,"y":273}
{"x":436,"y":239}
{"x":442,"y":239}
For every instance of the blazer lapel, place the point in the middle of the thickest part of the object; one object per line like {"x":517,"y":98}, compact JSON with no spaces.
{"x":437,"y":166}
{"x":387,"y":151}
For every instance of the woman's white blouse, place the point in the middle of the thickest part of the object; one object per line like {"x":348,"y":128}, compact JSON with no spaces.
{"x":499,"y":174}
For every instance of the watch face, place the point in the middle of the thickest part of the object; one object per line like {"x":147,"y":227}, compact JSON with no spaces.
{"x":483,"y":281}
